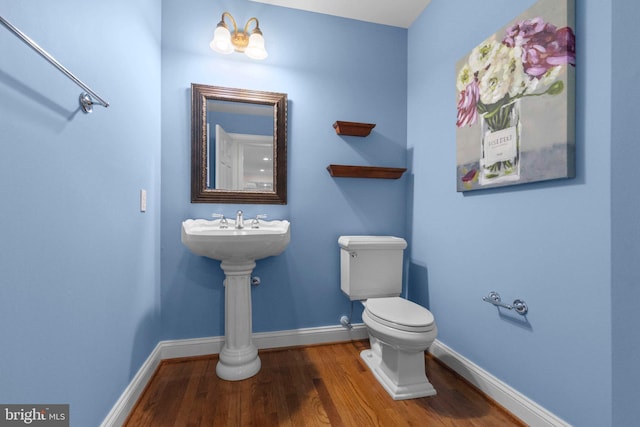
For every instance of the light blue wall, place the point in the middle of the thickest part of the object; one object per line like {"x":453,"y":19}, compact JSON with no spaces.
{"x":332,"y":69}
{"x":625,"y":152}
{"x":79,"y":264}
{"x":548,"y":243}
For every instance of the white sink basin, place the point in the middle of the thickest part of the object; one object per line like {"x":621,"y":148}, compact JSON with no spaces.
{"x":206,"y":238}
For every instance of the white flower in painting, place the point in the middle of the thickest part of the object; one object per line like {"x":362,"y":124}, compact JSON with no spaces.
{"x":482,"y":55}
{"x":514,"y":72}
{"x":493,"y":85}
{"x":465,"y":76}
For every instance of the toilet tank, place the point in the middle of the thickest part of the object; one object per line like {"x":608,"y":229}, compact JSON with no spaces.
{"x":371,"y":266}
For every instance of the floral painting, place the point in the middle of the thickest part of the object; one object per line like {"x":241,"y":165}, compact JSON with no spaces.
{"x":515,"y":101}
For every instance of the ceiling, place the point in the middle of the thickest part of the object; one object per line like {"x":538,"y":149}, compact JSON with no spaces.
{"x":397,"y":13}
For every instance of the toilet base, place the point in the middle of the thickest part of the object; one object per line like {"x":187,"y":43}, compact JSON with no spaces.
{"x":411,"y":383}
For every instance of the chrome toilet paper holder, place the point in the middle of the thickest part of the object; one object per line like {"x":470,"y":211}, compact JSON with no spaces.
{"x":518,"y":305}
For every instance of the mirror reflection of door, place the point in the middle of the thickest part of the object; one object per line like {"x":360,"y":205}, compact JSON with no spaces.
{"x":243,"y":161}
{"x":240,"y":148}
{"x":224,"y":155}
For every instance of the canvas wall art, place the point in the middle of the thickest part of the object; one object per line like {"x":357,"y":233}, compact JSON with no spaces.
{"x":516,"y":101}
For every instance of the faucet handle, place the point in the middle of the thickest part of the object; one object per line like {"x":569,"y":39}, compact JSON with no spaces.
{"x":223,"y":220}
{"x":256,"y":221}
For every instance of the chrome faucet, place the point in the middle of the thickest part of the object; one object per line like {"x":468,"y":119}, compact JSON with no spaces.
{"x":239,"y":220}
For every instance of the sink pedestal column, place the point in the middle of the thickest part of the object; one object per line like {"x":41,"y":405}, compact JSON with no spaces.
{"x":239,"y":356}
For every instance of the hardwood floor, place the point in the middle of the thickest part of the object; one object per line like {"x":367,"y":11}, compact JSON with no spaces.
{"x":307,"y":386}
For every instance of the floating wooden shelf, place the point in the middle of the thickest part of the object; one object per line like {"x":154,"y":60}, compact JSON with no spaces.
{"x":345,"y":171}
{"x":353,"y":128}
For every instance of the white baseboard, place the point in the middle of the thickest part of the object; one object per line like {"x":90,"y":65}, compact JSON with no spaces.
{"x":120,"y":411}
{"x":518,"y":404}
{"x":512,"y":400}
{"x":204,"y":346}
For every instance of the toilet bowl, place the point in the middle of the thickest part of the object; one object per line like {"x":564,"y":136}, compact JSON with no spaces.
{"x":399,"y":333}
{"x":399,"y":330}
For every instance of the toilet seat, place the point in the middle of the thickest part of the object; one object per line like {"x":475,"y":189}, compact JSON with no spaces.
{"x":399,"y":313}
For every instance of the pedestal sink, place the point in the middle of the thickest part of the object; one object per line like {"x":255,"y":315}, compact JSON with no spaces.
{"x":238,"y":249}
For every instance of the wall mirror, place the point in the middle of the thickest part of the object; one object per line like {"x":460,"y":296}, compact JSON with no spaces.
{"x":238,"y":146}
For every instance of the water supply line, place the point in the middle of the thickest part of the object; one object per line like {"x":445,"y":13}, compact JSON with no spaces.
{"x":346,"y":320}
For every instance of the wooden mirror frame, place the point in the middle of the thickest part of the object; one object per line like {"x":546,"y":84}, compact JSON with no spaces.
{"x":200,"y":193}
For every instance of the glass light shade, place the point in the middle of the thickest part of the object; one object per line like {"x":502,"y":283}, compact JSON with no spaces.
{"x":221,"y":42}
{"x":255,"y":49}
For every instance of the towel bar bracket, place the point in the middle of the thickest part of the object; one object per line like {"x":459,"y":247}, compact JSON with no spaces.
{"x":86,"y":102}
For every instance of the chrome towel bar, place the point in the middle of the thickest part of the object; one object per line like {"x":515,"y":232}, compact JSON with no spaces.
{"x":85,"y":99}
{"x":518,"y":305}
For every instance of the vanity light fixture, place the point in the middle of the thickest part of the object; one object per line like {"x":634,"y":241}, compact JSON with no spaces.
{"x":251,"y":43}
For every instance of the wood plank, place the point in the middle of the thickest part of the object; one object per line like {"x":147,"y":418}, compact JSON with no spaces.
{"x":307,"y":386}
{"x":350,"y":171}
{"x":353,"y":128}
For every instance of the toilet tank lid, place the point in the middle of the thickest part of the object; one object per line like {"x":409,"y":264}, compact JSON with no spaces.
{"x":371,"y":242}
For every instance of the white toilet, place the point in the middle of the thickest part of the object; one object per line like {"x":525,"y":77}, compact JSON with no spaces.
{"x":399,"y":330}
